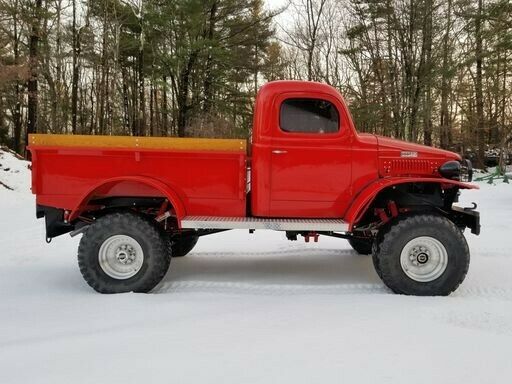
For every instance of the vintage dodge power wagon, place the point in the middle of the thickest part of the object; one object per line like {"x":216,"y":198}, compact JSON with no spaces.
{"x":139,"y":201}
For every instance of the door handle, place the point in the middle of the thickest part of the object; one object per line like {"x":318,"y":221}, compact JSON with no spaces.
{"x":279,"y":152}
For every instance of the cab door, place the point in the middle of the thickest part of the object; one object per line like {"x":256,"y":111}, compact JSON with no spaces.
{"x":310,"y":169}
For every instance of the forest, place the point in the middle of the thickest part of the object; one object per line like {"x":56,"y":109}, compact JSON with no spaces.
{"x":436,"y":72}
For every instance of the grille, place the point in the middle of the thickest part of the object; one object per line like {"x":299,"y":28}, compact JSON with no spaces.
{"x":405,"y":165}
{"x":409,"y":166}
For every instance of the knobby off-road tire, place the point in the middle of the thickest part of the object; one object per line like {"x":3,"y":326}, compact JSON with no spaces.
{"x":123,"y":252}
{"x":405,"y":254}
{"x":363,"y":247}
{"x":182,"y":246}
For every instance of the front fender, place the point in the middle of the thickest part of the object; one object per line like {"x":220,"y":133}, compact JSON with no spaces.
{"x":366,"y":196}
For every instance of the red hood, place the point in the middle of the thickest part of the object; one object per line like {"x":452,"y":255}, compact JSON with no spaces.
{"x":394,"y":148}
{"x":402,"y":159}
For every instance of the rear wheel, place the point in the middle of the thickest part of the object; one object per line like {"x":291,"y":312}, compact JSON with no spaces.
{"x":424,"y":255}
{"x":123,"y":252}
{"x":361,"y":246}
{"x":183,"y":245}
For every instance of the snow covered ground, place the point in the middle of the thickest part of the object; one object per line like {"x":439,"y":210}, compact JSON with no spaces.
{"x":249,"y":309}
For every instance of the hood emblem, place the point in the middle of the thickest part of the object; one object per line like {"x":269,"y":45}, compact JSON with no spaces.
{"x":408,"y":154}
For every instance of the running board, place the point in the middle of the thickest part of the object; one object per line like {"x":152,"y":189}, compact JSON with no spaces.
{"x":216,"y":222}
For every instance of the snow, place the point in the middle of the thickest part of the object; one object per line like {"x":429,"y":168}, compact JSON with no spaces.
{"x":14,"y":173}
{"x":249,"y":309}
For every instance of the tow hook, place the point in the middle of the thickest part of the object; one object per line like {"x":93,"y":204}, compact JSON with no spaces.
{"x":471,"y":208}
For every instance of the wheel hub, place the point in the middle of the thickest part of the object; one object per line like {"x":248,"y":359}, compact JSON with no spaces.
{"x":125,"y":254}
{"x":121,"y":257}
{"x":424,"y":259}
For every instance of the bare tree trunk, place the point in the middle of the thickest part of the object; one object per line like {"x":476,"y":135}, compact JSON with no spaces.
{"x":34,"y":70}
{"x":97,"y":96}
{"x":183,"y":90}
{"x":426,"y":79}
{"x":92,"y":111}
{"x":395,"y":106}
{"x":407,"y":52}
{"x":83,"y":109}
{"x":76,"y":71}
{"x":126,"y":103}
{"x":208,"y":79}
{"x":152,"y":123}
{"x":479,"y":98}
{"x":108,"y":103}
{"x":16,"y":116}
{"x":157,"y":129}
{"x":503,"y":109}
{"x":16,"y":112}
{"x":494,"y":106}
{"x":312,"y":28}
{"x":104,"y":79}
{"x":142,"y":96}
{"x":445,"y":121}
{"x":57,"y":117}
{"x":134,"y":114}
{"x":141,"y":85}
{"x":164,"y":107}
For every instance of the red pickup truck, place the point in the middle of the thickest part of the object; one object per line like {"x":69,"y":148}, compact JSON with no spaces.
{"x":138,"y":201}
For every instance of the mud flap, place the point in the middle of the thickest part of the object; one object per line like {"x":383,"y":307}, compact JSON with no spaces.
{"x":54,"y":219}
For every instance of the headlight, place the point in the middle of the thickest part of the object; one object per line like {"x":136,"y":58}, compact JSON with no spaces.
{"x":466,"y":171}
{"x":451,"y":170}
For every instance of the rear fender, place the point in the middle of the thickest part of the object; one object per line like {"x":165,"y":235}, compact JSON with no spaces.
{"x":363,"y":200}
{"x":147,"y":185}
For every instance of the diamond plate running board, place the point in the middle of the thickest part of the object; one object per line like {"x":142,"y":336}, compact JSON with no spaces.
{"x":216,"y":222}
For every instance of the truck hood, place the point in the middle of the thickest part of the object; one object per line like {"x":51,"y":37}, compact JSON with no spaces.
{"x":401,"y":149}
{"x":402,"y":159}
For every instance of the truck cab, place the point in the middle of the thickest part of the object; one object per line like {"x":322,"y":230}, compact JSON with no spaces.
{"x":301,"y":152}
{"x":306,"y":172}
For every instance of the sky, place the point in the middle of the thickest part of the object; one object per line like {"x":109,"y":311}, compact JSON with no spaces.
{"x":277,"y":4}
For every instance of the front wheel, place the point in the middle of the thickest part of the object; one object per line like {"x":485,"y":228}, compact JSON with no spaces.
{"x":425,"y":255}
{"x":123,"y":252}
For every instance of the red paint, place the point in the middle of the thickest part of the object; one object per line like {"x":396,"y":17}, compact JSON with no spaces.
{"x":393,"y":209}
{"x":315,"y":176}
{"x":195,"y":183}
{"x":365,"y":197}
{"x":311,"y":235}
{"x":383,"y":216}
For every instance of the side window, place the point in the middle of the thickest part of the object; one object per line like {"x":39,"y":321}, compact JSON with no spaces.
{"x":309,"y":116}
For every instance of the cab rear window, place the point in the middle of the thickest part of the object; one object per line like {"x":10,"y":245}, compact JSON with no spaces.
{"x":309,"y":116}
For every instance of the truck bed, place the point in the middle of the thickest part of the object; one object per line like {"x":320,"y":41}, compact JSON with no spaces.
{"x":208,"y":175}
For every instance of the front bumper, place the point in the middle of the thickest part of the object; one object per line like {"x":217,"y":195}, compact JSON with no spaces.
{"x":466,"y":217}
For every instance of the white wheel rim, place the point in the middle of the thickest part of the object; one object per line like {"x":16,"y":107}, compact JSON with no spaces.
{"x":120,"y":257}
{"x":424,"y":259}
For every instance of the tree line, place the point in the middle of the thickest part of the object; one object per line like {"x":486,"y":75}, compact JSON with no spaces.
{"x":430,"y":71}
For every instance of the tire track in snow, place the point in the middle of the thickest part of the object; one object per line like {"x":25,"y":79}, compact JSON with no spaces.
{"x":262,"y":288}
{"x":267,"y":289}
{"x":234,"y":287}
{"x":499,"y":293}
